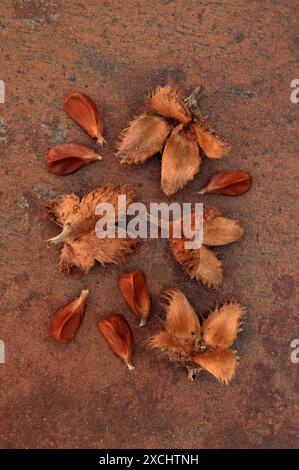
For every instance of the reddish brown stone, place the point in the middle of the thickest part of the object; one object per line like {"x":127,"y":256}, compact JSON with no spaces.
{"x":81,"y":395}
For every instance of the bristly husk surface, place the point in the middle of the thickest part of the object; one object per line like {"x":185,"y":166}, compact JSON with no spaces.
{"x":196,"y":346}
{"x":167,"y":102}
{"x":144,"y":137}
{"x":82,"y":248}
{"x":180,"y":160}
{"x":178,"y":127}
{"x":202,"y":263}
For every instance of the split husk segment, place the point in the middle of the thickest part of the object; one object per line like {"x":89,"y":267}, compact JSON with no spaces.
{"x":202,"y":263}
{"x":118,"y":335}
{"x":64,"y":159}
{"x":66,"y":320}
{"x":133,"y":287}
{"x":82,"y":248}
{"x":83,"y":110}
{"x":180,"y":129}
{"x":228,"y":183}
{"x":197,"y":346}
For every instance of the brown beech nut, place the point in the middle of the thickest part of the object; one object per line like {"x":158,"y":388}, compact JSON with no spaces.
{"x":133,"y":287}
{"x":66,"y":321}
{"x":83,"y":110}
{"x":64,"y":159}
{"x":118,"y":335}
{"x":228,"y":183}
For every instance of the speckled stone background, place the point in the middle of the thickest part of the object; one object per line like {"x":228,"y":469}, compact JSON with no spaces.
{"x":81,"y":395}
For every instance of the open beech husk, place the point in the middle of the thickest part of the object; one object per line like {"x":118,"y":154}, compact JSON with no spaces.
{"x":180,"y":160}
{"x":118,"y":335}
{"x":212,"y":146}
{"x":228,"y":183}
{"x":221,"y":231}
{"x":167,"y":102}
{"x":197,"y":346}
{"x":64,"y":159}
{"x":143,"y":138}
{"x":201,"y":263}
{"x":83,"y":110}
{"x":180,"y":128}
{"x":133,"y":287}
{"x":221,"y":364}
{"x":222,"y":325}
{"x":66,"y":320}
{"x":82,"y":248}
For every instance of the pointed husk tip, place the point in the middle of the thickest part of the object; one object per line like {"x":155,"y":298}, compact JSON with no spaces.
{"x":101,"y":140}
{"x":142,"y":321}
{"x":202,"y":191}
{"x":84,"y":293}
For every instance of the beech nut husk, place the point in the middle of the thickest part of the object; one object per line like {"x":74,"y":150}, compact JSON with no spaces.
{"x":199,"y":345}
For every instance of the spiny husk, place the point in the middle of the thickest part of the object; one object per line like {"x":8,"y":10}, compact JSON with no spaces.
{"x":80,"y":255}
{"x":167,"y":102}
{"x":180,"y":160}
{"x":181,"y":320}
{"x":211,"y":145}
{"x":184,"y":340}
{"x":221,"y":364}
{"x":199,"y":263}
{"x":222,"y":325}
{"x":82,"y":247}
{"x":144,"y":137}
{"x":202,"y":263}
{"x":62,"y":208}
{"x":221,"y":231}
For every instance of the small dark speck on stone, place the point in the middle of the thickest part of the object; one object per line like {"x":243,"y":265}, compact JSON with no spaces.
{"x":250,"y":94}
{"x":72,"y":78}
{"x":48,"y":194}
{"x":239,"y":37}
{"x":200,"y":17}
{"x":289,"y":119}
{"x":30,"y":100}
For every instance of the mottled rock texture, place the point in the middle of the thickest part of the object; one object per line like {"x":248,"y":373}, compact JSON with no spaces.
{"x":81,"y":395}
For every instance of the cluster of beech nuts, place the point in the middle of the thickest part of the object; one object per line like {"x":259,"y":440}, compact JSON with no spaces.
{"x":175,"y":128}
